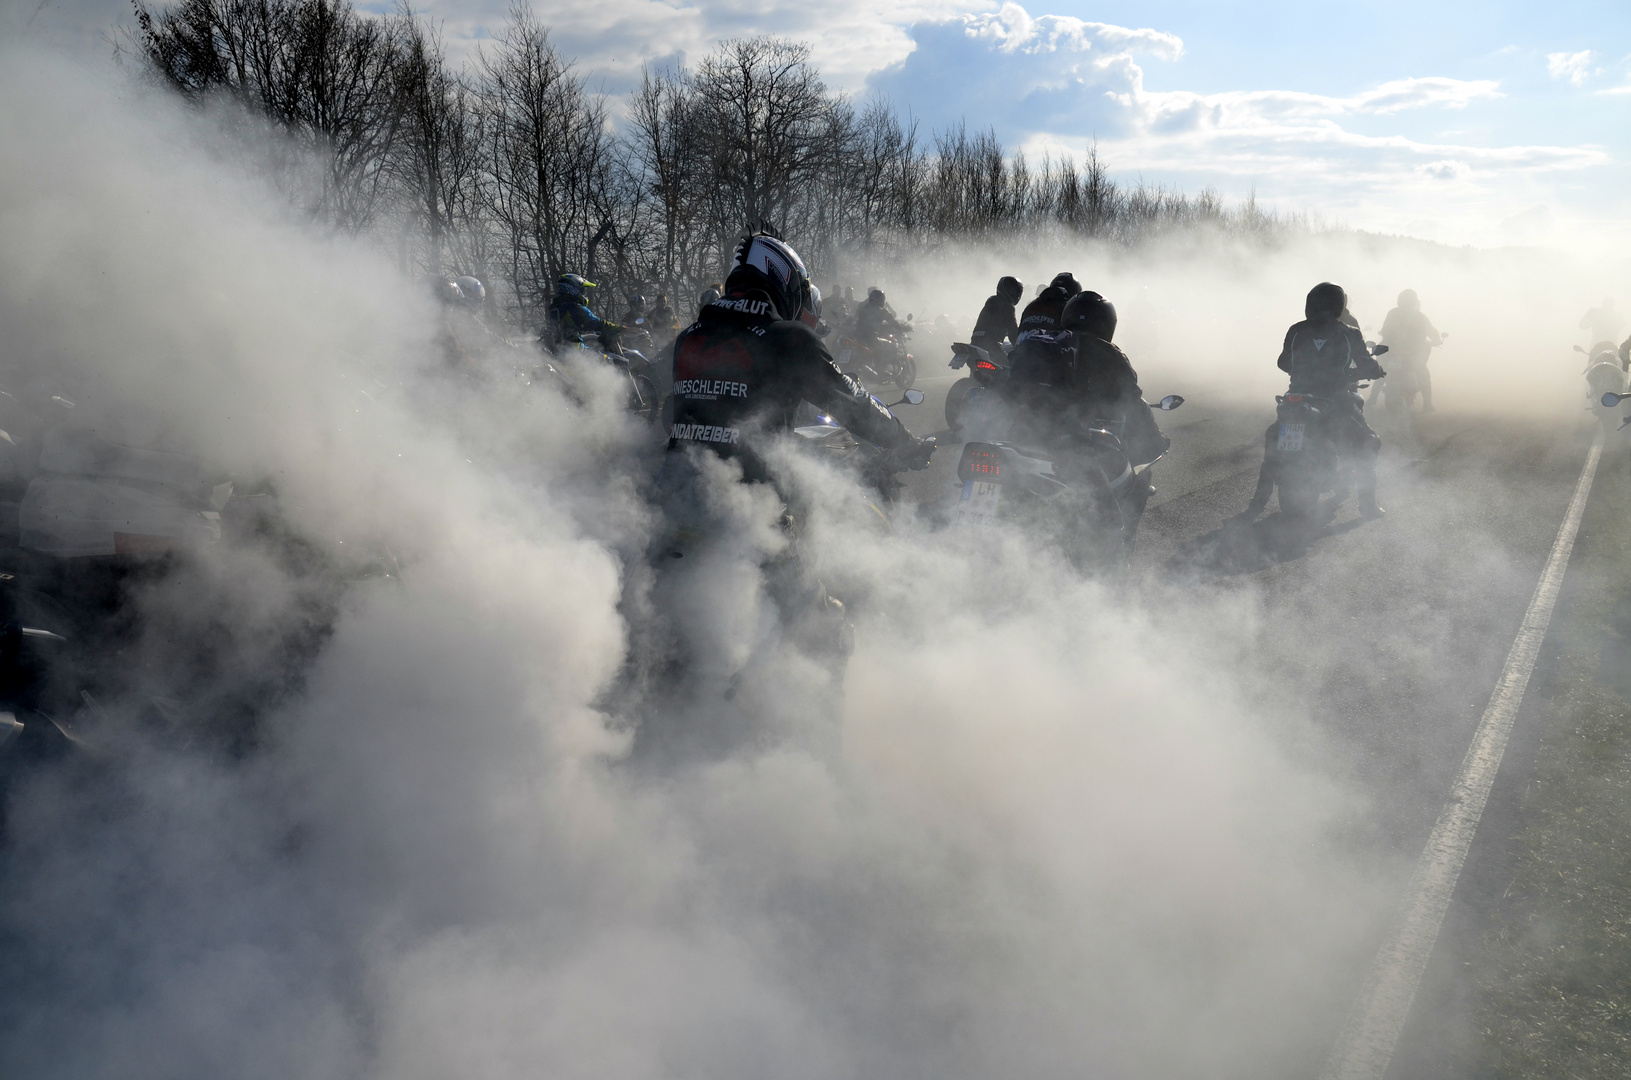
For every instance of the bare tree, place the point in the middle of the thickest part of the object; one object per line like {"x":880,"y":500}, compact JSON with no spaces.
{"x":440,"y":158}
{"x":546,"y":156}
{"x":511,"y":166}
{"x":322,"y":74}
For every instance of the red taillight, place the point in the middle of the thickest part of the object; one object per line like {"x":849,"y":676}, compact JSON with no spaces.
{"x":984,"y":463}
{"x":1293,"y":399}
{"x":984,"y":365}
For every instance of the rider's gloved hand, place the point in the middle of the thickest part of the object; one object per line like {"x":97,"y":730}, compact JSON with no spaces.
{"x":915,"y":454}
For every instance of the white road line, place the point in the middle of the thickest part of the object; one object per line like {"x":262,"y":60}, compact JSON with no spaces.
{"x":1366,"y":1046}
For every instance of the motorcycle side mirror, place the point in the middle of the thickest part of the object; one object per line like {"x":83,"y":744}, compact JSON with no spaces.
{"x":1579,"y":350}
{"x":1170,"y":402}
{"x":1378,"y":350}
{"x":1612,"y":399}
{"x":1624,"y":422}
{"x":910,"y":397}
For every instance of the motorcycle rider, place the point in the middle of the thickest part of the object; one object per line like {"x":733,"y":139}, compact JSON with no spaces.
{"x":1325,"y":357}
{"x":997,"y":322}
{"x":752,"y":356}
{"x":876,"y":319}
{"x":1074,"y":380}
{"x":1410,"y":335}
{"x":1604,"y":322}
{"x":637,"y":309}
{"x":449,"y":314}
{"x":570,"y":316}
{"x":741,"y":372}
{"x":709,"y":295}
{"x":473,"y":293}
{"x":661,"y":317}
{"x":1043,"y":312}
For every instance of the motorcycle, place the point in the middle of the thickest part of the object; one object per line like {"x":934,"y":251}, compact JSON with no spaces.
{"x":875,"y":467}
{"x":1406,"y":378}
{"x":620,"y":351}
{"x":1302,"y":454}
{"x":32,"y":695}
{"x":879,"y":361}
{"x":1088,"y":501}
{"x":987,"y":375}
{"x":810,"y":615}
{"x":1604,"y":376}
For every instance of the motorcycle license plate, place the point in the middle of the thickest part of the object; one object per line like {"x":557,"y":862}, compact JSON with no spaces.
{"x":843,"y":357}
{"x":1291,"y":436}
{"x":978,"y":504}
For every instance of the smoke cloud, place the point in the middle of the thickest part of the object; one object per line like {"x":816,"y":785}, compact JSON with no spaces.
{"x":1038,"y":826}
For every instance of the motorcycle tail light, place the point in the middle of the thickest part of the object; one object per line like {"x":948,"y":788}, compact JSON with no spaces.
{"x":984,"y":365}
{"x":1293,"y":399}
{"x":980,"y":462}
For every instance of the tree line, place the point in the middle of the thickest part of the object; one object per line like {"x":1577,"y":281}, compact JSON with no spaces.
{"x":509,"y":167}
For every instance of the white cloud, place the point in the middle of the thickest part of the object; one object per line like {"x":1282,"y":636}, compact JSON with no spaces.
{"x":1444,"y":170}
{"x":612,"y":40}
{"x":1574,"y":67}
{"x":1014,"y":30}
{"x":1056,"y":85}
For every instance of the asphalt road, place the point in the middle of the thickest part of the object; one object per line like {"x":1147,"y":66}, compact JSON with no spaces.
{"x":1388,"y":634}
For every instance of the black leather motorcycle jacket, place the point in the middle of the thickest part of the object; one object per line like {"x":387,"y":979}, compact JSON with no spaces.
{"x":1325,"y":357}
{"x":1071,"y":382}
{"x":995,"y":325}
{"x":740,"y":373}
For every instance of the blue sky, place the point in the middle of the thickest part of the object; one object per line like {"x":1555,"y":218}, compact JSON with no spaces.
{"x":1486,"y":123}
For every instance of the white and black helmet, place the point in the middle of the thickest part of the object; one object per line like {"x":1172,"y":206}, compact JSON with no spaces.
{"x":473,"y":292}
{"x":770,"y":264}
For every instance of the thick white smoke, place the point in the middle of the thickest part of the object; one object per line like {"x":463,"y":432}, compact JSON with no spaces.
{"x":1039,"y":829}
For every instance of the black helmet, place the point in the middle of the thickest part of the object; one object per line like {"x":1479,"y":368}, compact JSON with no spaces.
{"x":1325,"y":301}
{"x":637,"y":302}
{"x":1011,"y":289}
{"x":767,"y":264}
{"x":708,"y":296}
{"x":1090,"y":313}
{"x":1066,"y":281}
{"x":875,"y":297}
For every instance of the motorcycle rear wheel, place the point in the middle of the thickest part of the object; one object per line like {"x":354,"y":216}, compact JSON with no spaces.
{"x":1298,"y":501}
{"x":644,"y":401}
{"x":956,"y":398}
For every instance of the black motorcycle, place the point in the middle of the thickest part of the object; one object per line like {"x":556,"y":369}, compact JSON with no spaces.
{"x":987,"y":374}
{"x":622,"y":350}
{"x":1304,"y":455}
{"x":1087,"y":496}
{"x":877,"y":361}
